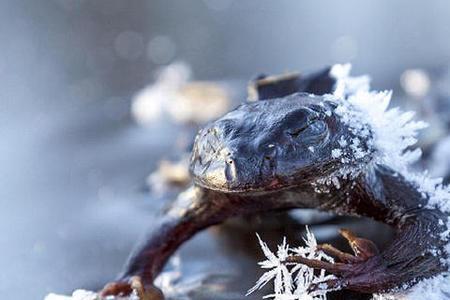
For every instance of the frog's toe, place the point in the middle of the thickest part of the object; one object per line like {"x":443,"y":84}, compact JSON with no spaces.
{"x":363,"y":248}
{"x":338,"y":254}
{"x":134,"y":284}
{"x":365,"y":276}
{"x":333,"y":268}
{"x":364,"y":271}
{"x":117,"y":288}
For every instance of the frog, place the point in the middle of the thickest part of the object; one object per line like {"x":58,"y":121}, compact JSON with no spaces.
{"x":276,"y":153}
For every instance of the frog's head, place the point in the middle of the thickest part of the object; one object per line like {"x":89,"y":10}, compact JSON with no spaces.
{"x":268,"y":145}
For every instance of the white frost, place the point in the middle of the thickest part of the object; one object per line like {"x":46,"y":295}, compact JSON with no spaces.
{"x":436,"y":288}
{"x":292,"y":280}
{"x":367,"y":113}
{"x":393,"y":134}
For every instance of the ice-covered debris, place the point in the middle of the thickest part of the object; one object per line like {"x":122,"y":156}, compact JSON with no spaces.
{"x":175,"y":96}
{"x":199,"y":102}
{"x":292,"y":280}
{"x":149,"y":105}
{"x":169,"y":175}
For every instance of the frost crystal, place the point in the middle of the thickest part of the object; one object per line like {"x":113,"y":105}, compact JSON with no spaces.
{"x":390,"y":131}
{"x":336,"y":153}
{"x":292,"y":280}
{"x":391,"y":134}
{"x":278,"y":270}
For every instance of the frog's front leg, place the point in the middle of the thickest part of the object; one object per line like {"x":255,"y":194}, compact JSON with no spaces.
{"x":194,"y":210}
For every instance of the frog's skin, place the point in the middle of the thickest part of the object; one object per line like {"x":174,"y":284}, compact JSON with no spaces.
{"x":257,"y":158}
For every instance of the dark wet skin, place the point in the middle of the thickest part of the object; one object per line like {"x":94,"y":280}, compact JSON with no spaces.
{"x":257,"y":158}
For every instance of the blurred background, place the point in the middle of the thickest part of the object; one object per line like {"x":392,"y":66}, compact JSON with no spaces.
{"x":74,"y":157}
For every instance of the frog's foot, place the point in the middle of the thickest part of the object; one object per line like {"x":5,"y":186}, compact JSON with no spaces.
{"x":362,"y":271}
{"x":126,"y":287}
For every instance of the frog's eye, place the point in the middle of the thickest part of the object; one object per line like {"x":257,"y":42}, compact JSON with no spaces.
{"x":317,"y":127}
{"x":297,"y":131}
{"x":315,"y":133}
{"x":304,"y":126}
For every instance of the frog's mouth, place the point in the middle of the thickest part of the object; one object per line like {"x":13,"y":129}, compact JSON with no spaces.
{"x":228,"y":172}
{"x":237,"y":174}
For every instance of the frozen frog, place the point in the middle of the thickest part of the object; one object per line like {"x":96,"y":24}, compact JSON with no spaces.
{"x":302,"y":150}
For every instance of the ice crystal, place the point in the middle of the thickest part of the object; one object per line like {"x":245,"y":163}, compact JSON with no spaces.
{"x":278,"y":271}
{"x":391,"y":131}
{"x":392,"y":134}
{"x":292,"y":280}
